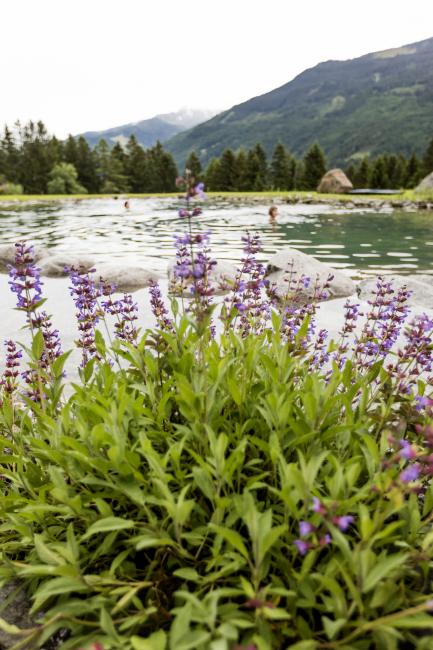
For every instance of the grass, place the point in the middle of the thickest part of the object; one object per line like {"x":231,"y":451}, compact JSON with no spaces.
{"x":405,"y":195}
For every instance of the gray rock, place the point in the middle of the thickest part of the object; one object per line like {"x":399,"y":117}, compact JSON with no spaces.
{"x":291,"y":261}
{"x":54,"y":267}
{"x":126,"y":278}
{"x":16,"y":612}
{"x":222,"y":275}
{"x":420,"y":285}
{"x":426,"y":184}
{"x":7,"y":255}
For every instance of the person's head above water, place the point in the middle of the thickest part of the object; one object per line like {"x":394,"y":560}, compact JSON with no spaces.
{"x":273,"y":212}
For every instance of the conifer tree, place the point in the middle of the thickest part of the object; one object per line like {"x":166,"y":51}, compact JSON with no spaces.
{"x":427,"y":161}
{"x":211,"y":175}
{"x":226,"y":177}
{"x":86,"y":165}
{"x":262,"y":177}
{"x":194,"y":165}
{"x":315,"y":167}
{"x":280,"y":169}
{"x":379,"y":176}
{"x":362,"y":174}
{"x":413,"y":172}
{"x":138,"y":167}
{"x":241,"y":168}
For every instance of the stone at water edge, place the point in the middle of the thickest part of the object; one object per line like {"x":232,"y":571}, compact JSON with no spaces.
{"x":54,"y":266}
{"x":125,"y":278}
{"x":222,"y":272}
{"x":334,"y":182}
{"x":7,"y":255}
{"x":426,"y":184}
{"x":290,"y":260}
{"x":420,"y":285}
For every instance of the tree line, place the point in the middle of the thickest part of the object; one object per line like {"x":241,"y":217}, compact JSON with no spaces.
{"x":34,"y":162}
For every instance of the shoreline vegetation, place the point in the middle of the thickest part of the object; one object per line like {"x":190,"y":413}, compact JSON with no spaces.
{"x":406,"y":198}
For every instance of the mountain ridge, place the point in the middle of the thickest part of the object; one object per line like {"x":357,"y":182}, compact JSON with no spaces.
{"x":160,"y":127}
{"x":380,"y":101}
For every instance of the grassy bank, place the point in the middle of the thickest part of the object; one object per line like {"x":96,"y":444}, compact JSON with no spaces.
{"x":406,"y":195}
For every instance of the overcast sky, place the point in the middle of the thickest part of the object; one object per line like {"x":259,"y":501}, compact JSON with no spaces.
{"x":91,"y":64}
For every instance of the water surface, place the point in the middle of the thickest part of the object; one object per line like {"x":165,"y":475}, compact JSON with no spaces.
{"x":362,"y":242}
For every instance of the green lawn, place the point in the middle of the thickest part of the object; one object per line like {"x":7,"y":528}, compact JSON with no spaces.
{"x":407,"y":195}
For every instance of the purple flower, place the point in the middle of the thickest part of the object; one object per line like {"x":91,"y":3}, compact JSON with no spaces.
{"x":326,"y":539}
{"x":423,"y":402}
{"x":11,"y":372}
{"x":318,"y":506}
{"x":343,"y":522}
{"x":25,"y":278}
{"x":410,"y":474}
{"x":184,"y":213}
{"x":407,"y":450}
{"x":159,"y":309}
{"x":196,"y":212}
{"x":305,"y":528}
{"x":302,"y":546}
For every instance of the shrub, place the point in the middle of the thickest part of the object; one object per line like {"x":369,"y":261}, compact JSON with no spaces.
{"x":11,"y":188}
{"x":262,"y":489}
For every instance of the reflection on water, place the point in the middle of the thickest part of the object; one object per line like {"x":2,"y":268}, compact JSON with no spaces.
{"x":362,"y":242}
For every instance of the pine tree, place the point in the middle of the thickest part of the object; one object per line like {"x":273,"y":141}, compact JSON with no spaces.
{"x":194,"y":165}
{"x":413,"y":172}
{"x":86,"y":165}
{"x":138,"y":167}
{"x":281,"y":177}
{"x":11,"y":157}
{"x":315,"y":167}
{"x":427,"y":161}
{"x":262,"y":177}
{"x":379,"y":176}
{"x":226,"y":177}
{"x":164,"y":168}
{"x":362,"y":175}
{"x":241,"y":168}
{"x":211,"y":175}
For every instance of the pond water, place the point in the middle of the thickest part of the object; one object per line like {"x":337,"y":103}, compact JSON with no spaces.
{"x":362,"y":242}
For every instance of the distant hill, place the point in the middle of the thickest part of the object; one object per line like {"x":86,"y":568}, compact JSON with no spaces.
{"x":380,"y":102}
{"x":161,"y":127}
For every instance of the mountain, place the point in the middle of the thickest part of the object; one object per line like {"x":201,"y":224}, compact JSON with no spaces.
{"x":380,"y":102}
{"x":161,"y":127}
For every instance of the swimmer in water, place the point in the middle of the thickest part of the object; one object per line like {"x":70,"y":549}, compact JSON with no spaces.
{"x":126,"y":205}
{"x":273,"y":214}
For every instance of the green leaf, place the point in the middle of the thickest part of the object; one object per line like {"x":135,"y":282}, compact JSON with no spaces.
{"x":156,"y":641}
{"x":333,"y":627}
{"x":108,"y":524}
{"x":383,"y":569}
{"x":233,"y":538}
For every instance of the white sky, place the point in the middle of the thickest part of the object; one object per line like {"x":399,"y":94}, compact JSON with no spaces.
{"x":91,"y":64}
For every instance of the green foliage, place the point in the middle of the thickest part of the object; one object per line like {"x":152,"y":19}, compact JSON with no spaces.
{"x":158,"y":507}
{"x":63,"y":180}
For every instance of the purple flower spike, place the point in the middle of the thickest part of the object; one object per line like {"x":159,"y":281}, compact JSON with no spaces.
{"x":184,"y":213}
{"x":302,"y":546}
{"x":410,"y":474}
{"x":305,"y":528}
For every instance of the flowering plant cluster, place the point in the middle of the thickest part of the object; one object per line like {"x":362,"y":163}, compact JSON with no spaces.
{"x":237,"y":481}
